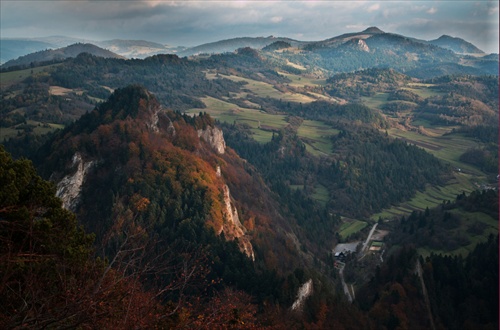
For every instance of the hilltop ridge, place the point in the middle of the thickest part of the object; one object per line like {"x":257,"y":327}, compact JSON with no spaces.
{"x":373,"y":30}
{"x":61,"y":54}
{"x":456,"y":45}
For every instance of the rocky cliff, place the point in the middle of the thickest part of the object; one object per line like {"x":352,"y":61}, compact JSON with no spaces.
{"x":140,"y":145}
{"x":304,"y":291}
{"x":69,"y":188}
{"x":214,"y":137}
{"x":232,"y":227}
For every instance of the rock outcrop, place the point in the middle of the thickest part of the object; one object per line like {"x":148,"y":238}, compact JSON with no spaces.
{"x":363,"y":46}
{"x":304,"y":291}
{"x":214,"y":137}
{"x":232,"y":227}
{"x":152,"y":123}
{"x":69,"y":188}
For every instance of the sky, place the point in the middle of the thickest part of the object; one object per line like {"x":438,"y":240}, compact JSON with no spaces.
{"x":190,"y":23}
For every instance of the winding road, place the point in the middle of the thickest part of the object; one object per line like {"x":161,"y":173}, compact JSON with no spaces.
{"x":344,"y":285}
{"x":426,"y":296}
{"x":366,"y":243}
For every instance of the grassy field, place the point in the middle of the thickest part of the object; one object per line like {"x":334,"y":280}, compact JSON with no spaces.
{"x":301,"y":81}
{"x":262,"y":124}
{"x":17,"y":76}
{"x":38,"y":128}
{"x":423,"y":90}
{"x":321,"y":194}
{"x":431,"y":197}
{"x":7,"y":132}
{"x":375,"y":101}
{"x":351,"y":227}
{"x":264,"y":89}
{"x":468,"y":218}
{"x":316,"y":136}
{"x":448,"y":148}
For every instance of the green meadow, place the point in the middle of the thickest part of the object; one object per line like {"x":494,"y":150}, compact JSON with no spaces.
{"x":39,"y":128}
{"x":376,"y":101}
{"x":351,"y":227}
{"x":431,"y":197}
{"x":19,"y":75}
{"x":263,"y":89}
{"x":423,"y":90}
{"x":321,"y":194}
{"x":448,"y":148}
{"x":489,"y":225}
{"x":262,"y":124}
{"x":316,"y":136}
{"x":301,"y":81}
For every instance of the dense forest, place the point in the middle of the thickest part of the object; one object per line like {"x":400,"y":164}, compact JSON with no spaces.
{"x":45,"y":251}
{"x":362,"y":158}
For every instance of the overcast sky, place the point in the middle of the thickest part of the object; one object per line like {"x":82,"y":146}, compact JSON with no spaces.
{"x":190,"y":23}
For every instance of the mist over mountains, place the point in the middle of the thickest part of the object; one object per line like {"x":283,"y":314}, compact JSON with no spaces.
{"x":12,"y":48}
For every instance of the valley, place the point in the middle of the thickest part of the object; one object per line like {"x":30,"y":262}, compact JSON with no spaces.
{"x":436,"y":139}
{"x":245,"y":172}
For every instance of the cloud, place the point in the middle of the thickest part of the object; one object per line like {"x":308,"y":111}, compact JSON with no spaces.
{"x":356,"y":27}
{"x":276,"y":19}
{"x":373,"y":7}
{"x":432,"y":11}
{"x":190,"y":23}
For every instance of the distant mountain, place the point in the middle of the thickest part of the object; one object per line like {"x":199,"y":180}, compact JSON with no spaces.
{"x":277,"y":45}
{"x":456,"y":45}
{"x":230,"y":45}
{"x":373,"y":30}
{"x":137,"y":48}
{"x":493,"y":57}
{"x":60,"y":54}
{"x":13,"y":48}
{"x":63,"y":41}
{"x":374,"y":48}
{"x":342,"y":39}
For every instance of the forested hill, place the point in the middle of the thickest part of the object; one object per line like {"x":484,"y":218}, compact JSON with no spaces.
{"x":456,"y":44}
{"x":59,"y":55}
{"x":130,"y":164}
{"x":129,"y":149}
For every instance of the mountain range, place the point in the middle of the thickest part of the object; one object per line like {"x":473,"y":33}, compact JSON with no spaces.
{"x":12,"y":48}
{"x":60,"y":54}
{"x":456,"y":45}
{"x":252,"y":183}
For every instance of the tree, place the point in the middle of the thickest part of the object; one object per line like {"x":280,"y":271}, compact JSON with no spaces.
{"x":48,"y":277}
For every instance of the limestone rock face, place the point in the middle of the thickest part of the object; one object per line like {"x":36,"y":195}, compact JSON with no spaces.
{"x":214,"y":137}
{"x":70,"y":187}
{"x":363,"y":46}
{"x":232,"y":226}
{"x":152,"y":123}
{"x":304,"y":291}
